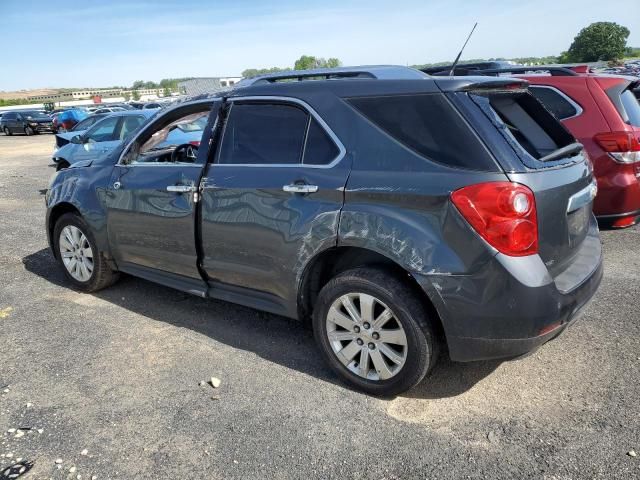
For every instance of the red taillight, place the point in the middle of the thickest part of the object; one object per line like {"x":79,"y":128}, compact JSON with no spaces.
{"x":503,"y":213}
{"x":624,"y":147}
{"x":195,"y":143}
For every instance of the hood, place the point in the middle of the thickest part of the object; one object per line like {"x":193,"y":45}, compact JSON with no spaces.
{"x":64,"y":138}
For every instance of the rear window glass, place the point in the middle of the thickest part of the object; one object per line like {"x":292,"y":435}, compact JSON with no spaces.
{"x":555,"y":102}
{"x":631,"y":107}
{"x":529,"y":125}
{"x":428,"y":125}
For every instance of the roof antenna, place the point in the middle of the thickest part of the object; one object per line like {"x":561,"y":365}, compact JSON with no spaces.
{"x":455,"y":62}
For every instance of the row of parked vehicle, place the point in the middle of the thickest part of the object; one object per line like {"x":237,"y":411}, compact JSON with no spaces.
{"x":31,"y":122}
{"x":402,"y":214}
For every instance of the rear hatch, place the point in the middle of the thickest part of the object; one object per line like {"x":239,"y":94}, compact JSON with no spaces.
{"x":535,"y":150}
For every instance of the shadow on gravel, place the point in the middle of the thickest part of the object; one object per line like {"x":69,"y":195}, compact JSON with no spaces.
{"x":274,"y":338}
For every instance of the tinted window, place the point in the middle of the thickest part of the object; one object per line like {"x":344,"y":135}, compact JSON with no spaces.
{"x":632,"y":107}
{"x":320,"y":149}
{"x":9,"y":116}
{"x":103,"y":131}
{"x":263,"y":134}
{"x":554,"y":102}
{"x":430,"y":126}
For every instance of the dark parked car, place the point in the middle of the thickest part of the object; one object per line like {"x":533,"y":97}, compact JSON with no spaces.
{"x":402,"y":214}
{"x":25,"y":121}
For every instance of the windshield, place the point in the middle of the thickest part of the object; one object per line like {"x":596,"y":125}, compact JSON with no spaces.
{"x":32,"y":114}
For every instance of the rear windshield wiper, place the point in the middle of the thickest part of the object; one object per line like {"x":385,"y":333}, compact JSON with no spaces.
{"x":567,"y":151}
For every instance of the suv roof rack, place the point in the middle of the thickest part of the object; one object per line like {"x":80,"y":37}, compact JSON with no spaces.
{"x":376,"y":72}
{"x":553,"y":71}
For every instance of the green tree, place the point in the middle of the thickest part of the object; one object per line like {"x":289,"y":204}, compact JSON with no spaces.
{"x":135,"y":95}
{"x":254,"y":72}
{"x":138,"y":84}
{"x":306,"y":62}
{"x":127,"y":96}
{"x":599,"y":41}
{"x":333,"y":63}
{"x":166,"y":92}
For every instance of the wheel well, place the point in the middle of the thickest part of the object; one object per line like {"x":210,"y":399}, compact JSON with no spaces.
{"x":334,"y":261}
{"x":55,"y":214}
{"x":62,"y":164}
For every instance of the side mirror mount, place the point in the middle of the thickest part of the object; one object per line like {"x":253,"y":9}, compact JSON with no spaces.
{"x":77,"y":139}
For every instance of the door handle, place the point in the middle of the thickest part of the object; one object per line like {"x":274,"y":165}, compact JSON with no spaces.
{"x":300,"y":188}
{"x":182,"y":188}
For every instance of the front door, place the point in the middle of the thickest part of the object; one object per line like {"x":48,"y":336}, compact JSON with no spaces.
{"x":271,"y":200}
{"x":152,"y":196}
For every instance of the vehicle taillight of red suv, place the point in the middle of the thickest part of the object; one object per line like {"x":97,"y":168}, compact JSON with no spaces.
{"x":603,"y":113}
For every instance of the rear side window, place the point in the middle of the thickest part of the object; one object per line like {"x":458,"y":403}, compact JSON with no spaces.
{"x":529,"y":125}
{"x":275,"y":134}
{"x":320,"y":149}
{"x":428,"y":125}
{"x":9,"y":116}
{"x":263,"y":134}
{"x":556,"y":102}
{"x":631,"y":107}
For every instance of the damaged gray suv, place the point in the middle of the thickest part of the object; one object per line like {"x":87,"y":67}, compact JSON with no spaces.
{"x":404,"y":214}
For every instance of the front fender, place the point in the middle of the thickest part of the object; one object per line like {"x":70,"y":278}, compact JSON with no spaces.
{"x":82,"y":190}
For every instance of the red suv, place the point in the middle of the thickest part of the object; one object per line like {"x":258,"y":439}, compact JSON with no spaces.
{"x":602,"y":112}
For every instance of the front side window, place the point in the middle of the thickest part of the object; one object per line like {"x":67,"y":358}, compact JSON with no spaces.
{"x":103,"y":131}
{"x":173,"y":139}
{"x":263,"y":134}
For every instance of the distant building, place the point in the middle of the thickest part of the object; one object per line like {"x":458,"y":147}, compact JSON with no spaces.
{"x":90,"y":94}
{"x":196,"y":86}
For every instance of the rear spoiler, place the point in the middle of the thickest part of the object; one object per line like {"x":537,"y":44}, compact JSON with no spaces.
{"x":481,"y":84}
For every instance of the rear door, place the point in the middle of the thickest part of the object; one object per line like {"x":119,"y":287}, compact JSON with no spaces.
{"x":271,"y":200}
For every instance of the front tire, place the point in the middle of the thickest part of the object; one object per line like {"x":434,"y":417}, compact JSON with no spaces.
{"x":374,"y":332}
{"x":82,"y":262}
{"x":28,"y":131}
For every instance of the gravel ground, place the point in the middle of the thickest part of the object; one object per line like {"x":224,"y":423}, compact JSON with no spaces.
{"x":117,"y":374}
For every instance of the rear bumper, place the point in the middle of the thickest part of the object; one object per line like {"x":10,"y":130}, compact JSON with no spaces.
{"x":42,"y":127}
{"x":465,"y":349}
{"x":512,"y":306}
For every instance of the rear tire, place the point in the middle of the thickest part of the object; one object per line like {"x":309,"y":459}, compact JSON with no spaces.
{"x":76,"y":251}
{"x":383,"y":324}
{"x":7,"y":132}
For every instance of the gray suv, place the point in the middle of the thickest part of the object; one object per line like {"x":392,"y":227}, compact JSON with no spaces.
{"x":403,"y":214}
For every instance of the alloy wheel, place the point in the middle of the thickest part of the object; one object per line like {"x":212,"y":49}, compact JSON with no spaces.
{"x":366,"y":336}
{"x":76,"y":253}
